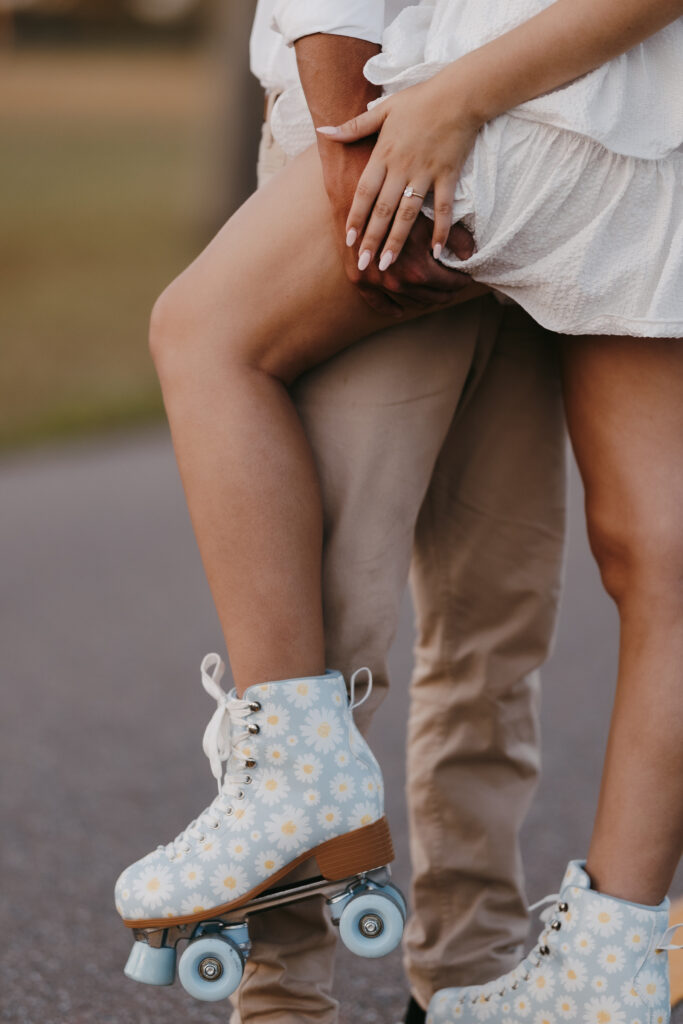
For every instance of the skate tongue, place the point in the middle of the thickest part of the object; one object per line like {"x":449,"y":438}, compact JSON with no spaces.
{"x":576,"y":876}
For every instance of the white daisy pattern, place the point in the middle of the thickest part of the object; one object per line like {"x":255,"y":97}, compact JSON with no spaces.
{"x":573,"y":975}
{"x":611,"y":959}
{"x":362,"y":814}
{"x":268,"y":862}
{"x":277,"y":754}
{"x":273,"y":787}
{"x":544,"y":1017}
{"x":303,"y":693}
{"x":307,"y":768}
{"x":542,"y":984}
{"x":604,"y":1010}
{"x":322,"y":730}
{"x":565,"y":1007}
{"x":342,"y":786}
{"x":305,"y":786}
{"x":238,"y":848}
{"x":606,"y":972}
{"x":584,"y":943}
{"x":192,"y":874}
{"x":604,"y":920}
{"x":650,"y":986}
{"x":329,"y":817}
{"x":290,"y":829}
{"x":229,"y":882}
{"x":195,"y":903}
{"x":153,"y":885}
{"x":275,"y":720}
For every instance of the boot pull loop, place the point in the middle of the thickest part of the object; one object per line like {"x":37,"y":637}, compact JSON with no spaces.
{"x":352,"y":686}
{"x":669,"y":934}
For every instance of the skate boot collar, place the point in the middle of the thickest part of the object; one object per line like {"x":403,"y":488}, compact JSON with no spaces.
{"x":577,"y":878}
{"x":304,"y":686}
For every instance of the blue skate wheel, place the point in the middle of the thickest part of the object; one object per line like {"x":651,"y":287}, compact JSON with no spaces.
{"x":152,"y":966}
{"x":371,"y":924}
{"x":210,"y":968}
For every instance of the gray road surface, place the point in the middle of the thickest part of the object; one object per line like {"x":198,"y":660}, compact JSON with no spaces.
{"x":105,"y":615}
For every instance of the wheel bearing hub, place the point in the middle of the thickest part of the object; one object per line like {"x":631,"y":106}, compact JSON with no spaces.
{"x":210,"y":969}
{"x":371,"y":926}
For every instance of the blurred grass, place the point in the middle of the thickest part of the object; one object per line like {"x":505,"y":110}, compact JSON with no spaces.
{"x":100,"y":206}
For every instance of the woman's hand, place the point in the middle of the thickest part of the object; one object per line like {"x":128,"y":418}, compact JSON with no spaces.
{"x":424,"y":138}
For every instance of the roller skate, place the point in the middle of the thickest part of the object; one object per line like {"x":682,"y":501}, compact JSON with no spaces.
{"x":599,"y":960}
{"x":296,"y":780}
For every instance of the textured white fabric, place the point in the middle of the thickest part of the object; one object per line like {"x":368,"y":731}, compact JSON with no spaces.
{"x":576,"y":198}
{"x":363,"y":19}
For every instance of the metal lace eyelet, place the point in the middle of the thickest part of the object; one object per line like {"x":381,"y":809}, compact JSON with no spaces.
{"x":501,"y":992}
{"x":556,"y":925}
{"x":229,"y":811}
{"x":563,"y":907}
{"x":526,"y":976}
{"x":544,"y":950}
{"x":240,"y":795}
{"x":486,"y":998}
{"x":255,"y":705}
{"x":247,"y":779}
{"x":254,"y":728}
{"x":215,"y":826}
{"x":202,"y":839}
{"x":514,"y":986}
{"x":250,"y":763}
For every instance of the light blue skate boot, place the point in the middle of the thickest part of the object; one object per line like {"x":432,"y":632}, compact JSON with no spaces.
{"x":295,"y":780}
{"x":599,"y":960}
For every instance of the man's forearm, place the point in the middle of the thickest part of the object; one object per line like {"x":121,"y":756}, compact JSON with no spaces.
{"x":331,"y":72}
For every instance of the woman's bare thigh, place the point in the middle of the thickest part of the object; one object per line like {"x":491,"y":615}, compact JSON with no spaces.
{"x":272,"y":282}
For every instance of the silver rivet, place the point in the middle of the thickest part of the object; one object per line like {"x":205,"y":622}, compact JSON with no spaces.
{"x":254,"y":728}
{"x":556,"y":925}
{"x":563,"y":908}
{"x":544,"y":950}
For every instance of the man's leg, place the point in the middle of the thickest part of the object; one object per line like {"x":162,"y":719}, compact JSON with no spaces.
{"x":376,"y":417}
{"x":486,"y":580}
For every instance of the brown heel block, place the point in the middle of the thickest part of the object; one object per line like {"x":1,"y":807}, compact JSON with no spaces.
{"x":361,"y":850}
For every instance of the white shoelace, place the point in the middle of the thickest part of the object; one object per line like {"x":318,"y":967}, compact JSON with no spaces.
{"x":221,"y":740}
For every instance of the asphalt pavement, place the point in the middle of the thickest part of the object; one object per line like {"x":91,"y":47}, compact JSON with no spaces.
{"x":104,"y":617}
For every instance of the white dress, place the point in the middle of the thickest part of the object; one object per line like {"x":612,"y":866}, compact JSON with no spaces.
{"x":575,"y":199}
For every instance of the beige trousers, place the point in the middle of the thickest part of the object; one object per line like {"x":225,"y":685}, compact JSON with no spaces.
{"x":439,"y":441}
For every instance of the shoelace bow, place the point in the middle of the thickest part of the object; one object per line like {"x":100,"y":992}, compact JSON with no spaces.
{"x":522,"y":972}
{"x":220,"y":741}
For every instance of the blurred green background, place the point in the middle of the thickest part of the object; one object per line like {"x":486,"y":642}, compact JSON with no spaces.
{"x":121,"y":153}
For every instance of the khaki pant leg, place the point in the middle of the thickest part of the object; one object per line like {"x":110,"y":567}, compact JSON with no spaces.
{"x":376,"y":416}
{"x":486,"y":580}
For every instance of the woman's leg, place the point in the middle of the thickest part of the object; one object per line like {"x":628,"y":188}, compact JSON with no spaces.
{"x":624,"y":400}
{"x":252,"y":312}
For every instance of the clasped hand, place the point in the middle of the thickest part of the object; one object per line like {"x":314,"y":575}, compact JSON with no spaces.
{"x":423,"y":142}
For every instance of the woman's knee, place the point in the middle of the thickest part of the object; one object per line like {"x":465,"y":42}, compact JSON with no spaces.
{"x":639,"y":551}
{"x":188,"y":332}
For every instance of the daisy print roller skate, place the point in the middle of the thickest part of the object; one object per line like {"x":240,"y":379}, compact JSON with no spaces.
{"x":296,"y":780}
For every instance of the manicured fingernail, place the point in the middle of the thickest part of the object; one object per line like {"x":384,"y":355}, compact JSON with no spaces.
{"x":364,"y":259}
{"x":351,"y":236}
{"x":436,"y":251}
{"x":386,"y":259}
{"x":327,"y":129}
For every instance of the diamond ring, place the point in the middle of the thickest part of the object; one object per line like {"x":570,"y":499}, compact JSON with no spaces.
{"x":409,"y":191}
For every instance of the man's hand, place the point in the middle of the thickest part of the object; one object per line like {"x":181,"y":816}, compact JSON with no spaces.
{"x":331,"y":71}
